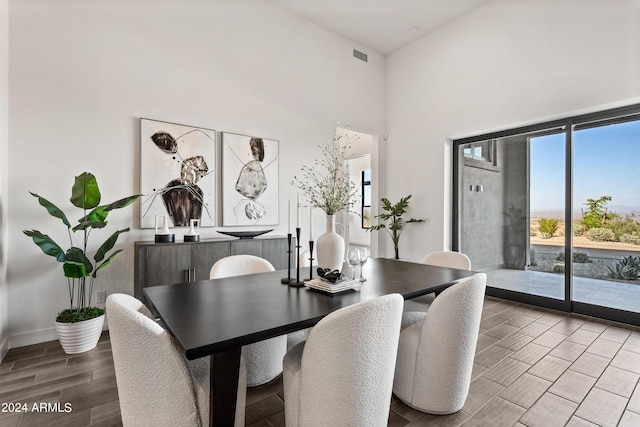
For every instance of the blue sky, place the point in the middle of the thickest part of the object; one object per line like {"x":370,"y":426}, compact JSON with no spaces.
{"x":606,"y":162}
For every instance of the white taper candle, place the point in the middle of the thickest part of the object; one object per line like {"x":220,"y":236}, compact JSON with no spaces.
{"x":298,"y":212}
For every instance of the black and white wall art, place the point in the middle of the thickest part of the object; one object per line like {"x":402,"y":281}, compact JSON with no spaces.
{"x":249,"y":180}
{"x":177,"y":173}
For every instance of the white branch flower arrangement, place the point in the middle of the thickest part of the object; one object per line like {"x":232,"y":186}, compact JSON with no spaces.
{"x":327,"y":185}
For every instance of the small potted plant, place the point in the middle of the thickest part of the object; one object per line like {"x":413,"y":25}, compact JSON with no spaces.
{"x":79,"y":327}
{"x":393,"y":213}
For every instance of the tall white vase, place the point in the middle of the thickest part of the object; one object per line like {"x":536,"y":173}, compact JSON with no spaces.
{"x":330,"y":247}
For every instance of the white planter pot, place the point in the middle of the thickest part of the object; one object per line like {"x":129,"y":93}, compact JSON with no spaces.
{"x":330,"y":247}
{"x":80,"y":336}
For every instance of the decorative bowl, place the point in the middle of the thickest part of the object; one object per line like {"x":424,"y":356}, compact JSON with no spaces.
{"x":244,"y":234}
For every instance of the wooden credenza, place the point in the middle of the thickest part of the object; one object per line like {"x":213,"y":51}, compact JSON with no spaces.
{"x":167,"y":263}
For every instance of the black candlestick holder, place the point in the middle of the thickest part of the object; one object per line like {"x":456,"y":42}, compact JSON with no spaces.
{"x":311,"y":258}
{"x":297,"y":283}
{"x":287,"y":280}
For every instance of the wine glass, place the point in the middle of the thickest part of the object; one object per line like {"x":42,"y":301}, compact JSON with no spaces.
{"x":354,"y":260}
{"x":363,"y":256}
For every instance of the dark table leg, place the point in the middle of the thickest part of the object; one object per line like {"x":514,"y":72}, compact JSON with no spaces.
{"x":224,"y":387}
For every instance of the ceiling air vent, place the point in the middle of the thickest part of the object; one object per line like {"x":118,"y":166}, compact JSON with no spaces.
{"x":361,"y":56}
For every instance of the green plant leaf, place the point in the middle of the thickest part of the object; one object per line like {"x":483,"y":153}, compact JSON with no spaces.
{"x":85,"y":193}
{"x":89,"y":224}
{"x":107,"y":262}
{"x":52,"y":209}
{"x":76,"y":263}
{"x":74,"y":270}
{"x":46,"y":243}
{"x":414,"y":220}
{"x":118,"y":204}
{"x":99,"y":214}
{"x":108,"y":245}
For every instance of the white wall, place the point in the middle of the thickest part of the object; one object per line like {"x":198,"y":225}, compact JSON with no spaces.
{"x":507,"y":63}
{"x":82,"y":72}
{"x":4,"y":173}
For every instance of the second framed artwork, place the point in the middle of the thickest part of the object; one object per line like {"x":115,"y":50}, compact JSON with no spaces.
{"x":249,"y":180}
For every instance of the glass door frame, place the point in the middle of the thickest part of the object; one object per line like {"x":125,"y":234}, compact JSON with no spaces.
{"x":567,"y":125}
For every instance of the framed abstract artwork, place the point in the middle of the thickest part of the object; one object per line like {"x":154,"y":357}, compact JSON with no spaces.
{"x":177,"y":173}
{"x":249,"y":180}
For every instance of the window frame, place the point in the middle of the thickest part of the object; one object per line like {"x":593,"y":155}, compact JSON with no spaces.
{"x":363,"y":184}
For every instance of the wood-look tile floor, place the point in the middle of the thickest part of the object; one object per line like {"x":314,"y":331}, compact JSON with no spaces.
{"x":533,"y":367}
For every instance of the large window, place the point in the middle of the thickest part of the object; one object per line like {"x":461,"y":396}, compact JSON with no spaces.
{"x":555,"y":218}
{"x":481,"y":154}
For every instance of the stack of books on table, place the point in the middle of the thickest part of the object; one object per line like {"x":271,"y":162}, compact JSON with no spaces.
{"x":325,"y":286}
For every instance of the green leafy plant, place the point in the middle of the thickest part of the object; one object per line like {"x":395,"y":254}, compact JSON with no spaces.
{"x":627,"y":225}
{"x":76,"y":265}
{"x":630,"y":238}
{"x":628,"y":268}
{"x":597,"y":214}
{"x":578,"y":257}
{"x":581,"y":258}
{"x":393,"y":213}
{"x":558,"y":267}
{"x":548,"y":226}
{"x":599,"y":234}
{"x":533,"y":261}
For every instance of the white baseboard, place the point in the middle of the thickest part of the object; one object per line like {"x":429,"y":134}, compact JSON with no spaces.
{"x":32,"y":337}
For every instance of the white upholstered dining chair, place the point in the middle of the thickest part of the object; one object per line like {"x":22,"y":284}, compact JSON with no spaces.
{"x":435,"y":356}
{"x":157,"y":386}
{"x":450,"y":259}
{"x":264,"y":358}
{"x":413,"y":308}
{"x":342,"y":375}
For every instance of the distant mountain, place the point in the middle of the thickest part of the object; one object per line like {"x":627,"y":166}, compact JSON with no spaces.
{"x":577,"y":214}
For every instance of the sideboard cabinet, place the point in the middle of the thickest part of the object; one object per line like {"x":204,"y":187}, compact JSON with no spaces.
{"x":167,"y":263}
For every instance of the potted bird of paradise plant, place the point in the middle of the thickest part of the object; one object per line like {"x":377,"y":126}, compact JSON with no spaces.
{"x":79,"y":327}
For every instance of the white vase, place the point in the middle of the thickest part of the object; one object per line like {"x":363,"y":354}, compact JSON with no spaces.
{"x":81,"y":336}
{"x":330,"y":247}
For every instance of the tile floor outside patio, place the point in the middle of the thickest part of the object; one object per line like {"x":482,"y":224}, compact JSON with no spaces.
{"x":620,"y":295}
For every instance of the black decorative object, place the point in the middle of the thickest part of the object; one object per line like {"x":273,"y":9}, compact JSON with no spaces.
{"x":287,"y":280}
{"x":310,"y":260}
{"x":297,"y":283}
{"x":245,"y":234}
{"x":165,"y":238}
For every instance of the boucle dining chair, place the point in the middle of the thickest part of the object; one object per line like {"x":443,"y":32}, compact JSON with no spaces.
{"x":450,"y":259}
{"x":343,"y":374}
{"x":435,"y":356}
{"x":157,"y":386}
{"x":264,"y":358}
{"x":415,"y":308}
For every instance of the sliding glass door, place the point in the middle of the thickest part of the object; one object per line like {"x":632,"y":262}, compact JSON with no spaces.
{"x":606,"y":200}
{"x":551,"y":212}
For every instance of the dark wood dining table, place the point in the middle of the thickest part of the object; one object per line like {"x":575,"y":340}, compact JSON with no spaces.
{"x":215,"y":318}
